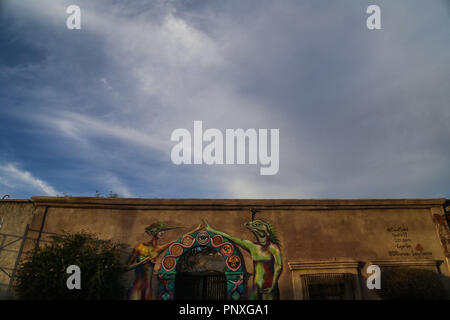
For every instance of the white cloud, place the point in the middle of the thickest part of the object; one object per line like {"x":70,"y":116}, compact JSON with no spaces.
{"x":249,"y":188}
{"x":25,"y":179}
{"x":82,"y":128}
{"x":116,"y":185}
{"x":344,"y":99}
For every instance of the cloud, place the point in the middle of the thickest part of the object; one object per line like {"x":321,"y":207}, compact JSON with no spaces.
{"x":81,"y":128}
{"x":15,"y":178}
{"x":360,"y":113}
{"x":116,"y":186}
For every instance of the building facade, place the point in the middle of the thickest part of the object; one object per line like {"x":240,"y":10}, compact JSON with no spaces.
{"x":289,"y":249}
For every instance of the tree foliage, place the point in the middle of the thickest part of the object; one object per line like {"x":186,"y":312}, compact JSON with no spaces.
{"x":43,"y":273}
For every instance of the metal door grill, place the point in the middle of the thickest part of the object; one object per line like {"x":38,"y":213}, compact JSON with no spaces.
{"x":200,"y":286}
{"x":329,"y":286}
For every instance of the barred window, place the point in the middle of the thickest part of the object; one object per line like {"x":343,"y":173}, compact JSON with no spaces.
{"x":329,"y":286}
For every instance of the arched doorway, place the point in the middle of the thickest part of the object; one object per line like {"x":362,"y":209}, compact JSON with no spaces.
{"x":181,"y":257}
{"x":201,"y":275}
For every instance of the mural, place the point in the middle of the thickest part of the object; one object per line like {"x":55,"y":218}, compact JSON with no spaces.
{"x":266,"y":255}
{"x":235,"y":269}
{"x":142,"y":261}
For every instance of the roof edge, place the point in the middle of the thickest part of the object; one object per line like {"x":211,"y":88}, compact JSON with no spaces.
{"x":197,"y":202}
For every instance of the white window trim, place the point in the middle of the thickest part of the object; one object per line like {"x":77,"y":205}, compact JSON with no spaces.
{"x":410,"y":263}
{"x":301,"y":268}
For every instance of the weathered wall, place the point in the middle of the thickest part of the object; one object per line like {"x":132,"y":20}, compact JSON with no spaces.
{"x":360,"y":230}
{"x":16,"y":214}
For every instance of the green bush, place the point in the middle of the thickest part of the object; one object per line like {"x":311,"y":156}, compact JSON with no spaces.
{"x":43,"y":273}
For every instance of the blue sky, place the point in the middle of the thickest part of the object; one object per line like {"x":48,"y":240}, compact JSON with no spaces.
{"x":362,"y":114}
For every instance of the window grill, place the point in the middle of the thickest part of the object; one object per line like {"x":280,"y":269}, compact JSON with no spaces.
{"x":329,"y":286}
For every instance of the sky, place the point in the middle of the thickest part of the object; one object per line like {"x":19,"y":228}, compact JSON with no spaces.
{"x":361,"y":113}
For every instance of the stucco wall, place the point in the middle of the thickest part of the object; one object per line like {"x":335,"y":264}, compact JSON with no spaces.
{"x":16,"y":215}
{"x":361,"y":230}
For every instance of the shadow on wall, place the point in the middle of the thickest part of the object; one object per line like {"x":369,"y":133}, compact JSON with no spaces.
{"x":14,"y":216}
{"x":412,"y":284}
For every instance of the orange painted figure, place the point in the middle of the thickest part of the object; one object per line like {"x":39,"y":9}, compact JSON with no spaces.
{"x":143,"y":258}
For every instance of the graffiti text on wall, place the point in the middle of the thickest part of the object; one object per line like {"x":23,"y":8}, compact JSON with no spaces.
{"x":403,"y":245}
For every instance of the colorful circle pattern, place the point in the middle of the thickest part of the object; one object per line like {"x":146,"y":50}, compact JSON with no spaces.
{"x":203,"y":238}
{"x":187,"y":241}
{"x":233,"y":262}
{"x":167,"y":273}
{"x":169,"y":263}
{"x":177,"y":249}
{"x":216,"y":241}
{"x":227,"y":249}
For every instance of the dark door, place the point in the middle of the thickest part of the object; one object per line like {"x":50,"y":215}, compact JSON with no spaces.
{"x":200,"y":286}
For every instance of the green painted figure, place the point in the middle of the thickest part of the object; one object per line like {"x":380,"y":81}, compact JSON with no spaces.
{"x":266,"y":255}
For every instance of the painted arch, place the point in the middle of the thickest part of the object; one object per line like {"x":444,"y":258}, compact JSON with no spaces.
{"x":235,"y":269}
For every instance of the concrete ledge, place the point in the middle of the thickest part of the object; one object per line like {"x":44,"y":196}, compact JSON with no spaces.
{"x":236,"y":204}
{"x":321,"y":265}
{"x":430,"y":263}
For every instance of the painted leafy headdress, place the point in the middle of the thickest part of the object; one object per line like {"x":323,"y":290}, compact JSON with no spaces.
{"x":158,"y":226}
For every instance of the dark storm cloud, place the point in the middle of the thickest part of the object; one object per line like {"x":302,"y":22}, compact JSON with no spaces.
{"x":361,"y":113}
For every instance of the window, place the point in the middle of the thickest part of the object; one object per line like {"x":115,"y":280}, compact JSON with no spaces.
{"x":328,"y":286}
{"x":336,"y":279}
